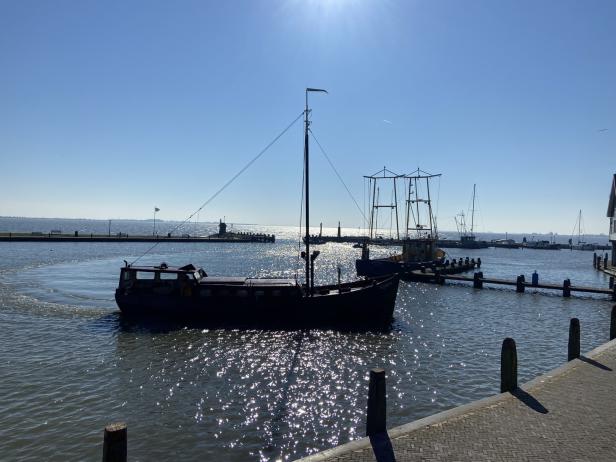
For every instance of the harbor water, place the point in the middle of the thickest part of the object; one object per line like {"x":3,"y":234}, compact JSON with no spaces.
{"x":70,"y":364}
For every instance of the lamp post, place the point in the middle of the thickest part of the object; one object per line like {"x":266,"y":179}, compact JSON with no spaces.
{"x":156,"y":209}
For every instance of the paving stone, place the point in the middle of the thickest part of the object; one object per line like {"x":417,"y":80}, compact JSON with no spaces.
{"x":579,"y":425}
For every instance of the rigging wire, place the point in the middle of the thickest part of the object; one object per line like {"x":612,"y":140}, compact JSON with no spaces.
{"x":223,"y":187}
{"x":338,"y":175}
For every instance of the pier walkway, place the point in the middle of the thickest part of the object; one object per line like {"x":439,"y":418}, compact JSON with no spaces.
{"x":567,"y":414}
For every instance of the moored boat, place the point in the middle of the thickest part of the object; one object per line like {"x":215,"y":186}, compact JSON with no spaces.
{"x":187,"y":292}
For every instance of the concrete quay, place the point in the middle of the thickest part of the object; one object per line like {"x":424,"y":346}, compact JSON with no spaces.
{"x":568,"y":413}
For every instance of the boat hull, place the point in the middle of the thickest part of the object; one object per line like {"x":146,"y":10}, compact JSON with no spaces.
{"x":363,"y":303}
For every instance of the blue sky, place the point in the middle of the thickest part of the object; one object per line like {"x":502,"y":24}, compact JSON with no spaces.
{"x":109,"y":108}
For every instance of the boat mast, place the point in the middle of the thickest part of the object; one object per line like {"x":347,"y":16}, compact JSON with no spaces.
{"x":307,"y":186}
{"x":473,"y":212}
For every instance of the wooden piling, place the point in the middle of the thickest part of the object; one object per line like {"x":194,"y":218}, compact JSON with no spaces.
{"x":478,"y":262}
{"x":519,"y":284}
{"x":605,"y":261}
{"x":115,"y":443}
{"x":477,"y":280}
{"x":613,"y":324}
{"x":509,"y":366}
{"x":611,"y":282}
{"x":594,"y":260}
{"x":566,"y":288}
{"x":573,"y":349}
{"x":377,"y":407}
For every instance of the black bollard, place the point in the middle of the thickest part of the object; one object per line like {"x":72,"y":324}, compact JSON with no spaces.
{"x":535,"y":279}
{"x":478,"y":262}
{"x":509,"y":366}
{"x":477,"y":280}
{"x":573,"y":350}
{"x":566,"y":288}
{"x":114,"y":443}
{"x":519,"y":284}
{"x":594,"y":260}
{"x":611,"y":282}
{"x":377,"y":408}
{"x":605,"y":261}
{"x":613,"y":324}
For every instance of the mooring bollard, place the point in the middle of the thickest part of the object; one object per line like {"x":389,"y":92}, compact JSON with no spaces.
{"x":115,"y":443}
{"x":377,"y":407}
{"x":535,"y":279}
{"x":519,"y":284}
{"x":573,"y":349}
{"x":611,"y":282}
{"x":605,"y":261}
{"x":613,"y":324}
{"x":594,"y":260}
{"x":509,"y":366}
{"x":478,"y":262}
{"x":566,"y":288}
{"x":477,"y":280}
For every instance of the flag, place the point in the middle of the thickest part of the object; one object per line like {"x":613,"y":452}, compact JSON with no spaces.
{"x":156,"y":209}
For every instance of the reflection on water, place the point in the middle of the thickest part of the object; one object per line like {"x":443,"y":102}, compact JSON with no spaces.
{"x":71,"y":364}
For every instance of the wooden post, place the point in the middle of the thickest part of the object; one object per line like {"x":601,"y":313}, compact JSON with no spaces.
{"x":613,"y":324}
{"x":114,"y":443}
{"x":477,"y":280}
{"x":605,"y":261}
{"x":377,"y":408}
{"x":519,"y":286}
{"x":509,"y":366}
{"x":566,"y":288}
{"x":611,"y":282}
{"x":573,"y":350}
{"x":594,"y":260}
{"x":478,"y":262}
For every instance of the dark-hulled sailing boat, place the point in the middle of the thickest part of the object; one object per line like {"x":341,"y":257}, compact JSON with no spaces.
{"x":188,"y":292}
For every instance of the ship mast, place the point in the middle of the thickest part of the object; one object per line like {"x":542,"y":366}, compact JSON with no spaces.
{"x":473,"y":211}
{"x":307,"y":186}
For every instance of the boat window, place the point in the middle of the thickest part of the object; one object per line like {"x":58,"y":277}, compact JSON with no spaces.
{"x":242,"y":293}
{"x":260,"y":293}
{"x":197,"y":275}
{"x":145,"y":275}
{"x":169,"y":276}
{"x":128,"y":275}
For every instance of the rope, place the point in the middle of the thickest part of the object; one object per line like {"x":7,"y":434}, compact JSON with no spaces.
{"x":338,"y":175}
{"x":221,"y":189}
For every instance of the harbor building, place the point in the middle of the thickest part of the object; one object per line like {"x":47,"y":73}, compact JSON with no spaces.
{"x":611,"y":213}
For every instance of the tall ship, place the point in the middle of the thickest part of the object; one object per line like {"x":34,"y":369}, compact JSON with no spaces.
{"x":188,"y":292}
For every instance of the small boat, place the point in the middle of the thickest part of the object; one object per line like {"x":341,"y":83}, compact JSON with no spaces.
{"x":468,"y":240}
{"x":188,"y":292}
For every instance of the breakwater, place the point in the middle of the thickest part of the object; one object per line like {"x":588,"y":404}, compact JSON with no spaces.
{"x":91,"y":237}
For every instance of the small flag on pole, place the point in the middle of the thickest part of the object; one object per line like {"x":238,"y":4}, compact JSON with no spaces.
{"x":156,"y":209}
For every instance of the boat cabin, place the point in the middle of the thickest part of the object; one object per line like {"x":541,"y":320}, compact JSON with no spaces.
{"x":189,"y":280}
